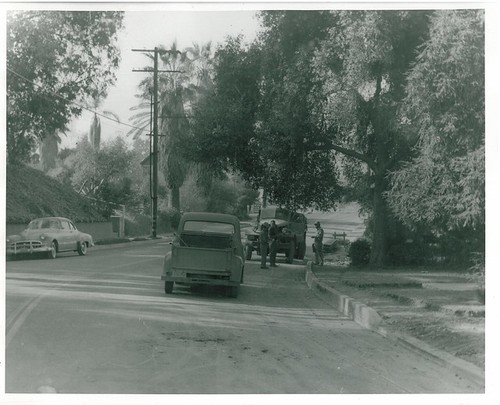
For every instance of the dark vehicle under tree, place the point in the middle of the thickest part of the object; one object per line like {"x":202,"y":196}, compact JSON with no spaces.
{"x":292,"y":228}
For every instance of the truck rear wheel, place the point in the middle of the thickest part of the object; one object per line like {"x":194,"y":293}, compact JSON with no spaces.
{"x":233,"y":291}
{"x":248,"y":253}
{"x":169,"y":287}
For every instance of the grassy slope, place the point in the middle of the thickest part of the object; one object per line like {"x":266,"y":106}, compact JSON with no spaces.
{"x":32,"y":194}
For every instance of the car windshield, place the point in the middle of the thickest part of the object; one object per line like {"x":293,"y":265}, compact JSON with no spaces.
{"x":34,"y":224}
{"x":207,"y":226}
{"x":274,"y":213}
{"x":44,"y":224}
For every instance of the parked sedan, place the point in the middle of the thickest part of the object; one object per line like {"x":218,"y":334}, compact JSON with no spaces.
{"x":51,"y":236}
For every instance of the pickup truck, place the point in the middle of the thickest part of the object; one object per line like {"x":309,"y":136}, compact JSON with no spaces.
{"x":207,"y":250}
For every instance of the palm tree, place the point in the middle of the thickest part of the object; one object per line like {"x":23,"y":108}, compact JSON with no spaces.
{"x":177,"y":91}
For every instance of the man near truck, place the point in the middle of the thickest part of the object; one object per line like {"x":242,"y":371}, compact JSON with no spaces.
{"x":273,"y":236}
{"x":318,"y":244}
{"x":264,"y":241}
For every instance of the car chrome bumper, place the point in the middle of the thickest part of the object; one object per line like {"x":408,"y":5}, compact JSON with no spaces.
{"x":26,"y":247}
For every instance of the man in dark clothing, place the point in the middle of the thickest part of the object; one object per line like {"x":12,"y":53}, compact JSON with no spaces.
{"x":273,"y":236}
{"x":318,"y":243}
{"x":264,"y":241}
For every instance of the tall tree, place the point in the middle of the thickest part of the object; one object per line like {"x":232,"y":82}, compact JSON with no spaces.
{"x":55,"y":59}
{"x":317,"y":92}
{"x":174,"y":96}
{"x":222,"y":136}
{"x":296,"y":175}
{"x":443,"y":186}
{"x":257,"y":120}
{"x":177,"y":91}
{"x":362,"y":68}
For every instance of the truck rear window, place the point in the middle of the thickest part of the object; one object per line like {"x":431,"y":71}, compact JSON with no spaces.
{"x":205,"y":241}
{"x":207,"y":226}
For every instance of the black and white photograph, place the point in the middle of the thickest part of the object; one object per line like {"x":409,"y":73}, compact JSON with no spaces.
{"x":255,"y":199}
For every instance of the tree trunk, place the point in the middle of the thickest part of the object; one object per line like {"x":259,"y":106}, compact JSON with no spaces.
{"x":175,"y":198}
{"x":48,"y":152}
{"x":380,"y":221}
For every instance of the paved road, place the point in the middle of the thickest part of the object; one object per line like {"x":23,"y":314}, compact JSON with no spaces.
{"x":102,"y":324}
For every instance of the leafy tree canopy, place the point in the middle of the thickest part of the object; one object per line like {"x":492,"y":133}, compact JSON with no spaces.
{"x":54,"y":60}
{"x":444,"y":185}
{"x":106,"y":173}
{"x":256,"y":121}
{"x":389,"y":102}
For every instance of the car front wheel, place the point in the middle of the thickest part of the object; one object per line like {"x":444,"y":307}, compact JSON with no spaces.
{"x":53,"y":250}
{"x":82,"y":248}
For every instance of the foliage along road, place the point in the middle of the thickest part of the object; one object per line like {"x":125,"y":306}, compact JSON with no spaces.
{"x":102,"y":324}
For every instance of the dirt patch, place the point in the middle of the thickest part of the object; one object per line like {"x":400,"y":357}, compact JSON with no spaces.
{"x":463,"y":337}
{"x":449,"y":318}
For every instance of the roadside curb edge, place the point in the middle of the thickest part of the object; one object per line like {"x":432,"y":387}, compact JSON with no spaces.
{"x":367,"y":317}
{"x":357,"y":311}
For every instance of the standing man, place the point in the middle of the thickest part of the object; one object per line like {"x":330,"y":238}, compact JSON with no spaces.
{"x":318,"y":244}
{"x":273,"y":235}
{"x":264,"y":241}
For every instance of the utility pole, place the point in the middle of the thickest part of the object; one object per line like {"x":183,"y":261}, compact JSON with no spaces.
{"x":154,"y":156}
{"x":154,"y":153}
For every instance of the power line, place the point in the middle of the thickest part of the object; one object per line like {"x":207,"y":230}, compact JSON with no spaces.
{"x":75,"y":103}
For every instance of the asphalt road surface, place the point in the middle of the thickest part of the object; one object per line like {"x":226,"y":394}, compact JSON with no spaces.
{"x":102,"y":324}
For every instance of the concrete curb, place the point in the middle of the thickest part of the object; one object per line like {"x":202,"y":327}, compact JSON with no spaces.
{"x":371,"y":319}
{"x":357,"y":311}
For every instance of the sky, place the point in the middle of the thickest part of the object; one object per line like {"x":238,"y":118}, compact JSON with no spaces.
{"x":145,"y":30}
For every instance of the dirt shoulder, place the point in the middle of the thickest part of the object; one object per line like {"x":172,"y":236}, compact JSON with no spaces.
{"x":440,"y":308}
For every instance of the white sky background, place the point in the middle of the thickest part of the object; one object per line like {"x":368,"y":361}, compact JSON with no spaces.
{"x":145,"y":30}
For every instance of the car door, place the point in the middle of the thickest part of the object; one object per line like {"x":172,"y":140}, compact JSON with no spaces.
{"x":77,"y":235}
{"x":73,"y":236}
{"x":65,"y":242}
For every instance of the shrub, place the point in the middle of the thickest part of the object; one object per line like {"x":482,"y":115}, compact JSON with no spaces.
{"x":478,"y":274}
{"x":359,"y":252}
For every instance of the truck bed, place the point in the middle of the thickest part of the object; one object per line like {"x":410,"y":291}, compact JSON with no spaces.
{"x":201,"y":259}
